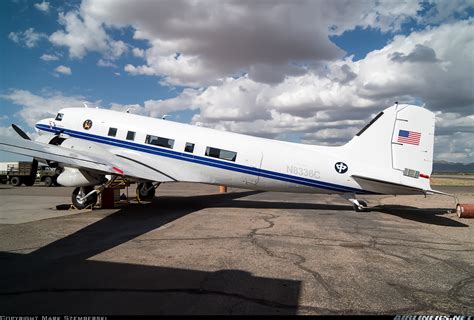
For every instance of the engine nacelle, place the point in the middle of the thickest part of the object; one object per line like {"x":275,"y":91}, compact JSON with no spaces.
{"x":72,"y":177}
{"x":45,"y":137}
{"x":51,"y":138}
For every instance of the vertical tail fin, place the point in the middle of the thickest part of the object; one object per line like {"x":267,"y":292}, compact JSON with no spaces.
{"x":397,"y":145}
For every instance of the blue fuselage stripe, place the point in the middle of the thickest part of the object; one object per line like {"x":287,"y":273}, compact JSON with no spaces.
{"x":200,"y":160}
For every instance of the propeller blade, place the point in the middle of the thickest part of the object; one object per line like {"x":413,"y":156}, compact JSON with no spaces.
{"x":20,"y":132}
{"x":34,"y":163}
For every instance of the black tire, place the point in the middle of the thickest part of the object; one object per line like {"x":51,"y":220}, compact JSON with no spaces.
{"x":15,"y":181}
{"x":48,"y":181}
{"x":145,"y":191}
{"x":363,"y":204}
{"x":80,"y":192}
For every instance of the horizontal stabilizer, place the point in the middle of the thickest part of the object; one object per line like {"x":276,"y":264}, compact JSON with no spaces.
{"x":386,"y":187}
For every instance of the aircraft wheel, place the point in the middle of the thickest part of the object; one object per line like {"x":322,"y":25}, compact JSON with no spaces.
{"x":362,"y":207}
{"x":79,"y":193}
{"x":16,"y":181}
{"x":145,"y":191}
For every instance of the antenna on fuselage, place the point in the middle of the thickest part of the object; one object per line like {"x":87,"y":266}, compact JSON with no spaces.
{"x":164,"y":116}
{"x":85,"y":105}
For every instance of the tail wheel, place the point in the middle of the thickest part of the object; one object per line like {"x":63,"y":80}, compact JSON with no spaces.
{"x":16,"y":181}
{"x":78,"y":199}
{"x":362,"y":206}
{"x":146,"y":191}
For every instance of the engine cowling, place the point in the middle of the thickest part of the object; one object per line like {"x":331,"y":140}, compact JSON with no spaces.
{"x":46,"y":138}
{"x":72,"y":177}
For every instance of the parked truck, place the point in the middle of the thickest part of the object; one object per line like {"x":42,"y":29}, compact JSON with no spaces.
{"x":27,"y":172}
{"x":48,"y":175}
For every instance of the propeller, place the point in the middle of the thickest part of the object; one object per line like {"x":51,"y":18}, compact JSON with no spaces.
{"x":20,"y":132}
{"x":34,"y":163}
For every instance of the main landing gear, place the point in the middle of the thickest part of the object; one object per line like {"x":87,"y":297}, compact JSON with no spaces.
{"x":146,"y":191}
{"x":83,"y":197}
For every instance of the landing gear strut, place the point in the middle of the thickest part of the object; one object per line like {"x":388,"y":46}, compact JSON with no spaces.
{"x":358,"y":205}
{"x":146,"y":191}
{"x":82,"y":197}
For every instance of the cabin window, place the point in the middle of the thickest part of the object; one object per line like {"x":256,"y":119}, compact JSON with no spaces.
{"x":131,"y":135}
{"x":112,"y":132}
{"x":59,"y":117}
{"x":159,"y":141}
{"x":221,"y":154}
{"x":189,"y":147}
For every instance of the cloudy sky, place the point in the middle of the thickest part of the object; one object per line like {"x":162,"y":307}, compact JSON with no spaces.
{"x":305,"y":71}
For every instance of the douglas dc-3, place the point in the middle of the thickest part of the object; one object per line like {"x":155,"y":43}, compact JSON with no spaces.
{"x":392,"y":154}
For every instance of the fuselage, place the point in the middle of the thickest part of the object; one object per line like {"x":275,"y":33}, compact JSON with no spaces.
{"x":190,"y":153}
{"x":196,"y":154}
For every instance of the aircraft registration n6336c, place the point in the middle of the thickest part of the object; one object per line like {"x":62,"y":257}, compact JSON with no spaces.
{"x":392,"y":154}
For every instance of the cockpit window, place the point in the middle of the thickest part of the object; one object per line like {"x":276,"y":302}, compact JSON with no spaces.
{"x":59,"y":117}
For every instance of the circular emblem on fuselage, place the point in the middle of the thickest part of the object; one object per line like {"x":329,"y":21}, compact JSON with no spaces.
{"x":341,"y":167}
{"x":87,"y":124}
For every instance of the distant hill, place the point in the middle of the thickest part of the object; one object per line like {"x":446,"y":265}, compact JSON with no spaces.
{"x":452,"y":167}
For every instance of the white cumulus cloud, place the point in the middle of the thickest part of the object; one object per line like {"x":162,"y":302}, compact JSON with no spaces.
{"x":137,"y":52}
{"x":43,"y":6}
{"x":28,"y":38}
{"x":36,"y":107}
{"x":83,"y":34}
{"x":63,"y":70}
{"x":199,"y":42}
{"x":49,"y":57}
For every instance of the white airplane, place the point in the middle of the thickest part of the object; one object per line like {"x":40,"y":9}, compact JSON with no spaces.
{"x":393,"y":154}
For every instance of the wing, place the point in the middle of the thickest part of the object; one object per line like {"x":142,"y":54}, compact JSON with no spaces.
{"x":109,"y":164}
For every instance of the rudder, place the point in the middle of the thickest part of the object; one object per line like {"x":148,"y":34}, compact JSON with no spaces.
{"x":412,"y":143}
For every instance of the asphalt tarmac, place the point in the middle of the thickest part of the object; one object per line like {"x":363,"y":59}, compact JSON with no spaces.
{"x":195,"y":251}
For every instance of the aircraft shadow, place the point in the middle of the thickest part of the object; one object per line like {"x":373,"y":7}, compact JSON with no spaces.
{"x":263,"y":204}
{"x":59,"y":278}
{"x":95,"y":287}
{"x":432,"y":216}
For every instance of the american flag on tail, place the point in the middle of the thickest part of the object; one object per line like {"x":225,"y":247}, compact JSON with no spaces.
{"x":409,"y":137}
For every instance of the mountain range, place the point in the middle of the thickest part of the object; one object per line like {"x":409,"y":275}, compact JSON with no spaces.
{"x":452,"y":167}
